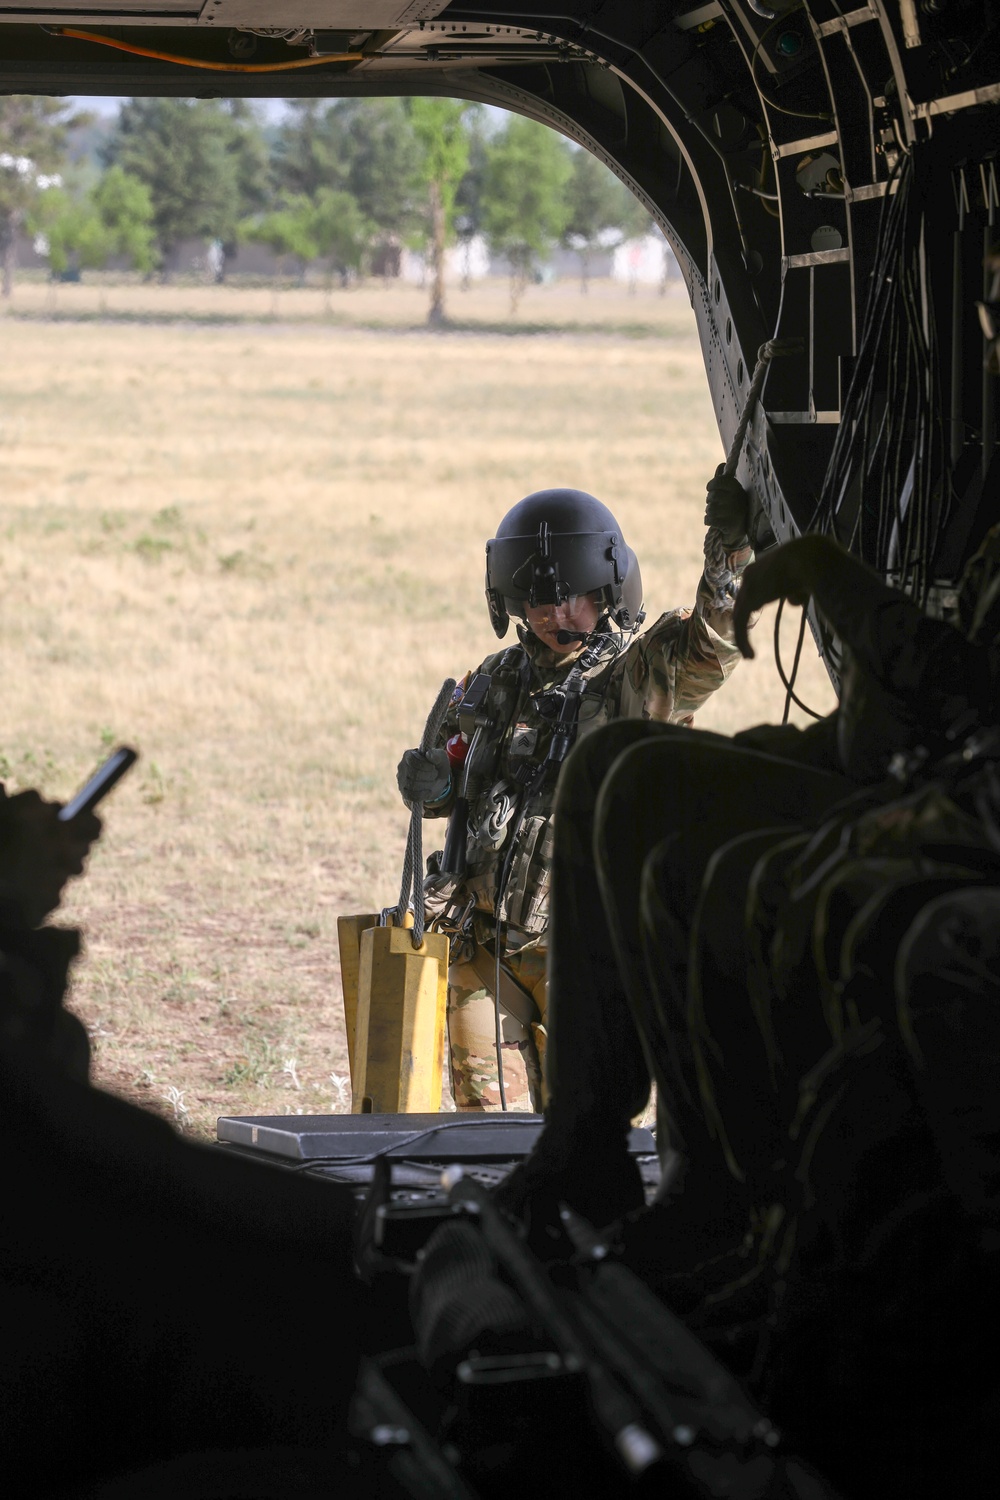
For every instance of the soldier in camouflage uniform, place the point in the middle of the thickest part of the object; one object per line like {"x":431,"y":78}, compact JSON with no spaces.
{"x":559,"y":563}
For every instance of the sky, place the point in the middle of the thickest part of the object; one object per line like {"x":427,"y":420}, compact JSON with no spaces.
{"x":272,"y":109}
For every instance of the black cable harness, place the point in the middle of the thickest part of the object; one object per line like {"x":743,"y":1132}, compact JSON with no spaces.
{"x":891,"y":454}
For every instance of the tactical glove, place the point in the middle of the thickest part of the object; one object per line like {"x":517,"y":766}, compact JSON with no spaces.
{"x":728,"y":508}
{"x":423,"y":776}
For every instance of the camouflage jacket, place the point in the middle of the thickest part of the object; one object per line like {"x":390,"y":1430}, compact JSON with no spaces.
{"x":666,"y":674}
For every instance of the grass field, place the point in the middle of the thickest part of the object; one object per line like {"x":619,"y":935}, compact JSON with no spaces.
{"x":253,"y":547}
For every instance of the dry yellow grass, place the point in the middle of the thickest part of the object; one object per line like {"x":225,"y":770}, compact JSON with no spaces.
{"x":373,"y":304}
{"x":254,"y":552}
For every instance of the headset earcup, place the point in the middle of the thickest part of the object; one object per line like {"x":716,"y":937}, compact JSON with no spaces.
{"x":628,"y":605}
{"x":499,"y":617}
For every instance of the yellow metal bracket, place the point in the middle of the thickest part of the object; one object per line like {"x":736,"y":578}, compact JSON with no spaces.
{"x":395,"y":1001}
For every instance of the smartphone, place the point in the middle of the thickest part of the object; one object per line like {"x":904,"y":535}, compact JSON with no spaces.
{"x":100,"y":784}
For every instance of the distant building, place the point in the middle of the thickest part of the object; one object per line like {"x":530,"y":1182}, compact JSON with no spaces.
{"x":648,"y":261}
{"x":645,"y":262}
{"x":469,"y":260}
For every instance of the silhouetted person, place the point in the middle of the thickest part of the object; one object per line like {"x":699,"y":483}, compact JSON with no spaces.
{"x":158,"y":1298}
{"x":818,"y":1227}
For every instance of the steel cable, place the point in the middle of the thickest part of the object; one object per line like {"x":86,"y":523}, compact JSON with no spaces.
{"x":412,"y":884}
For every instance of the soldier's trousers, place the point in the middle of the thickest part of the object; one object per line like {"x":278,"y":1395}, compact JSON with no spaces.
{"x":472,"y":1036}
{"x":640,"y":812}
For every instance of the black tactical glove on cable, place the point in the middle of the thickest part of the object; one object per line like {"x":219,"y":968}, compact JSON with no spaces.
{"x":423,"y":777}
{"x":728,"y":508}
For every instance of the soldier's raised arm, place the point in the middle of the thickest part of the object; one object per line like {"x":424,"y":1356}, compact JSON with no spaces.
{"x":688,"y":654}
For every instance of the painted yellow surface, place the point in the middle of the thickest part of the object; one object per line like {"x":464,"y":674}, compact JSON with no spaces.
{"x":349,"y":930}
{"x":400,"y":1022}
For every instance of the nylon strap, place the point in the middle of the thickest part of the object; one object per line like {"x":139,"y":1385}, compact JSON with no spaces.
{"x":413,"y":859}
{"x":514,"y":998}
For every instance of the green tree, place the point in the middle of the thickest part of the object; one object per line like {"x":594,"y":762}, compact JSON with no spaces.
{"x":309,"y":149}
{"x":365,"y":147}
{"x":125,"y":207}
{"x":71,"y":228}
{"x":598,"y":205}
{"x":439,"y":125}
{"x":32,"y":144}
{"x":341,"y":231}
{"x":287,"y":231}
{"x":383,"y":163}
{"x":525,"y":209}
{"x":469,"y":196}
{"x":182,"y":149}
{"x":248,"y":149}
{"x":84,"y":223}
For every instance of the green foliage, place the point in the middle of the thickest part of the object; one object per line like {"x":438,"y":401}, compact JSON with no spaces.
{"x":468,"y":198}
{"x":439,"y":126}
{"x":308,"y":150}
{"x":85,"y":225}
{"x":125,"y":207}
{"x":340,"y":229}
{"x":524,"y":199}
{"x":362,"y":165}
{"x":248,"y":149}
{"x":596,"y":200}
{"x":329,"y":226}
{"x":287,"y":231}
{"x":256,"y":1063}
{"x":330,"y":183}
{"x":366,"y":147}
{"x":599,"y":204}
{"x":32,"y":144}
{"x":184,"y":151}
{"x":151,"y":548}
{"x":383,"y":160}
{"x":71,"y":227}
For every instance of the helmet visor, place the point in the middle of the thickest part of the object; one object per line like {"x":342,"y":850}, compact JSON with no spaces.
{"x":572,"y":563}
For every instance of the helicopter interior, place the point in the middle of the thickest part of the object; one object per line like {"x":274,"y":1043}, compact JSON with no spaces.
{"x":827,"y":179}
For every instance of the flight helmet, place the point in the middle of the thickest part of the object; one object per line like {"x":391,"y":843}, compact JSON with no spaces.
{"x":556,"y":543}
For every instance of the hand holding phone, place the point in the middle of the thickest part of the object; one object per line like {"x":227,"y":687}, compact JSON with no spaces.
{"x":104,"y":778}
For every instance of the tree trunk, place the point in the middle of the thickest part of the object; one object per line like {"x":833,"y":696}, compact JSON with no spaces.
{"x":584,"y":270}
{"x":8,"y":253}
{"x":436,"y":315}
{"x":227,"y":252}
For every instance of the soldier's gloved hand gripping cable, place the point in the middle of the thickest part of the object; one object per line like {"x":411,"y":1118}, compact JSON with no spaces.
{"x":423,"y":775}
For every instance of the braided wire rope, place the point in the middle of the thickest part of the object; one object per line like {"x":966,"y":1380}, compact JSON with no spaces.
{"x":412,"y":884}
{"x":717,"y":571}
